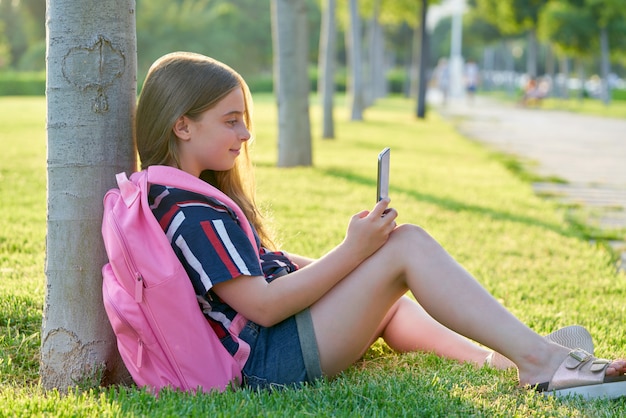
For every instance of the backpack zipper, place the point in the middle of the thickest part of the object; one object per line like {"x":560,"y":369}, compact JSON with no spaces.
{"x":140,"y":344}
{"x":130,"y":264}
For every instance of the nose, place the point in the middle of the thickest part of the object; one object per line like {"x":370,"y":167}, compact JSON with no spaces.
{"x":244,"y":133}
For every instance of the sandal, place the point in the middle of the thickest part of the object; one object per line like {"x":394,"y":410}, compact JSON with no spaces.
{"x":572,"y":337}
{"x":583,"y":374}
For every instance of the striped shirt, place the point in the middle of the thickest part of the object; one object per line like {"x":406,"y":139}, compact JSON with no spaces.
{"x":213,"y":248}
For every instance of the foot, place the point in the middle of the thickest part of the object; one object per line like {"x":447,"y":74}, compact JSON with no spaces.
{"x":550,"y":364}
{"x":498,"y":361}
{"x":582,"y":374}
{"x":573,"y":336}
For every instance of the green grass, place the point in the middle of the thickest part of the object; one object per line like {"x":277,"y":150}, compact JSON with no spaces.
{"x":521,"y":247}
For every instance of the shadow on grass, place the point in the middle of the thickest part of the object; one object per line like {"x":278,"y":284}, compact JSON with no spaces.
{"x":449,"y":204}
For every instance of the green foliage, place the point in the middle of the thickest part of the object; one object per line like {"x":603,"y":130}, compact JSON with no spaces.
{"x":237,"y":32}
{"x":574,"y":26}
{"x":571,"y":29}
{"x":23,"y":26}
{"x":22,"y":83}
{"x":617,"y":39}
{"x":207,"y":27}
{"x":34,"y":58}
{"x":397,"y":81}
{"x":5,"y":55}
{"x":512,"y":17}
{"x":518,"y":245}
{"x":477,"y":33}
{"x":619,"y":94}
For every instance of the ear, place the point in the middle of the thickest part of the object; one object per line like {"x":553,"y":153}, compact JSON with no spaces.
{"x":181,"y":128}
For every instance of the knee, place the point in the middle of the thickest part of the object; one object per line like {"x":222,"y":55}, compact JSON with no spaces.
{"x":407,"y":235}
{"x":410,"y":231}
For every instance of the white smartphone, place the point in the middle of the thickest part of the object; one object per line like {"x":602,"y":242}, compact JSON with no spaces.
{"x":382,"y":186}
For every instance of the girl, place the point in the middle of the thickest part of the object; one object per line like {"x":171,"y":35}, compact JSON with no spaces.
{"x":313,"y":318}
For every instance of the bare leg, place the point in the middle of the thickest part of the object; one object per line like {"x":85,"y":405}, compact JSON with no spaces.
{"x":347,"y":318}
{"x":427,"y":334}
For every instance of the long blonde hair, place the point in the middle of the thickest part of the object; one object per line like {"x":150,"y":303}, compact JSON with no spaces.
{"x":184,"y":83}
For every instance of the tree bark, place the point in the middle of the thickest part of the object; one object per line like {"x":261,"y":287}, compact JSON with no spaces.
{"x":291,"y":81}
{"x":423,"y":68}
{"x":91,"y":94}
{"x":326,"y":71}
{"x":531,"y":57}
{"x":377,"y":79}
{"x":565,"y":72}
{"x":605,"y":65}
{"x":355,"y":64}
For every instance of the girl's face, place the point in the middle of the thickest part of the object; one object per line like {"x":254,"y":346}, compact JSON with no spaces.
{"x":214,"y":140}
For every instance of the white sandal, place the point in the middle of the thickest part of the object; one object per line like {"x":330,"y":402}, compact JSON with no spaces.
{"x":572,"y":336}
{"x":583,"y":374}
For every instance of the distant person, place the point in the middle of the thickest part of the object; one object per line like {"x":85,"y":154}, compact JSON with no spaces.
{"x":313,"y":318}
{"x":472,"y":77}
{"x":442,"y":78}
{"x":534,"y":92}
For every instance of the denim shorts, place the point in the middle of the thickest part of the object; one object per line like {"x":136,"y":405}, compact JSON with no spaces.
{"x":283,"y":355}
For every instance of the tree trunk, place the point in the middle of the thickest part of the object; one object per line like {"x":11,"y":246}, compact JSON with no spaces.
{"x":565,"y":72}
{"x":423,"y":76}
{"x":605,"y":64}
{"x":531,"y":57}
{"x":377,"y":84}
{"x":291,"y":81}
{"x":581,"y":76}
{"x":488,"y":67}
{"x":550,"y":71}
{"x":91,"y":94}
{"x":326,"y":77}
{"x":355,"y":64}
{"x":415,"y":63}
{"x":510,"y":68}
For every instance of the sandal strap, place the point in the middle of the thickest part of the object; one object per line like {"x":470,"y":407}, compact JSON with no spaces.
{"x":578,"y":369}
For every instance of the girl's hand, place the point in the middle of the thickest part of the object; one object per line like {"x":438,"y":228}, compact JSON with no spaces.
{"x":368,"y":231}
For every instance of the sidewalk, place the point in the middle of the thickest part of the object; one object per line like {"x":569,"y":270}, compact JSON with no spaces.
{"x":587,"y":152}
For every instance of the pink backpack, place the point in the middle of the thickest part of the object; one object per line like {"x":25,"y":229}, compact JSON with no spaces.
{"x":162,"y":334}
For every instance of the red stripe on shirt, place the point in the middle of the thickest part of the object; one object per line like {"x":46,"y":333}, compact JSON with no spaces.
{"x":219,"y":247}
{"x":167,"y":217}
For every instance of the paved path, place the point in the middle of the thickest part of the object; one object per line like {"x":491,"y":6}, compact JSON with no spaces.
{"x":588,"y":152}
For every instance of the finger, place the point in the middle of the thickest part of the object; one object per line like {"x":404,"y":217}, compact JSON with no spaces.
{"x":362,"y":214}
{"x":380,"y":207}
{"x":390,"y":214}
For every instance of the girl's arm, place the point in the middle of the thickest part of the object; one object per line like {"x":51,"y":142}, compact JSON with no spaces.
{"x":270,"y":303}
{"x":300,"y":260}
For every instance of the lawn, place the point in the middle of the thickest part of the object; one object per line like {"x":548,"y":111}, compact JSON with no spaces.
{"x":518,"y":245}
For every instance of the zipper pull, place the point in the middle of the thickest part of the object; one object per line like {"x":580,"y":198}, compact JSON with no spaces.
{"x":139,"y":353}
{"x":138,"y":289}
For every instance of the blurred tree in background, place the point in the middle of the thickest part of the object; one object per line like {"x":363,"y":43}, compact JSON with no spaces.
{"x":237,"y":32}
{"x":516,"y":37}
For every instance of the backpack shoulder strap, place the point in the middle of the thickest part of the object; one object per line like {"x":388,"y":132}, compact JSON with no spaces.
{"x":173,"y":177}
{"x":128,"y":190}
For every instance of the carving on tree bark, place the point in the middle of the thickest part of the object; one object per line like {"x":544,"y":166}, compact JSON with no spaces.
{"x":94,"y":67}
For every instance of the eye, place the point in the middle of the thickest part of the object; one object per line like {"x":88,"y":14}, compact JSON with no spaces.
{"x":231,"y":122}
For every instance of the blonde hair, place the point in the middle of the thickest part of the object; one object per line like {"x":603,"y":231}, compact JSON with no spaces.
{"x":184,"y":83}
